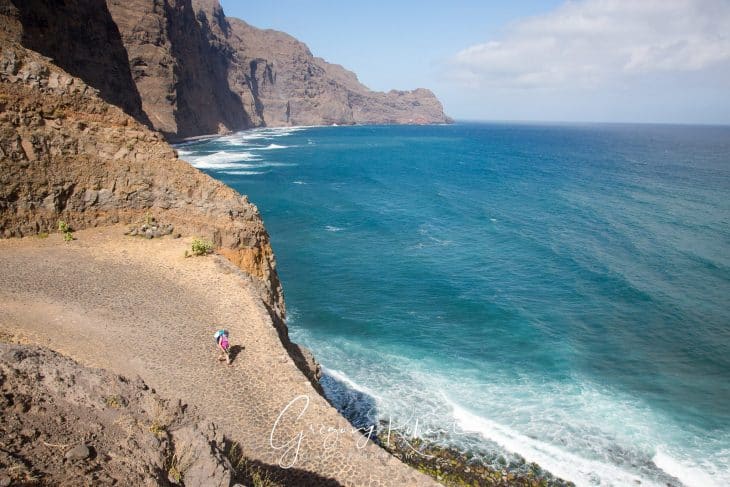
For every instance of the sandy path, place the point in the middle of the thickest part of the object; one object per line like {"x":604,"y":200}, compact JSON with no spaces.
{"x":139,"y":307}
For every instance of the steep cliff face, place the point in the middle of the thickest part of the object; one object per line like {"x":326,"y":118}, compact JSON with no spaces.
{"x":159,"y":48}
{"x":296,"y":88}
{"x":183,"y":68}
{"x":81,"y":38}
{"x":179,"y":66}
{"x":67,"y":154}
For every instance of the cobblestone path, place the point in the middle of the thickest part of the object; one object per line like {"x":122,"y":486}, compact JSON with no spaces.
{"x":139,"y":307}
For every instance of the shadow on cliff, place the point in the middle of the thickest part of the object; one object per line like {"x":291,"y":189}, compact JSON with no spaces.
{"x":254,"y":472}
{"x":205,"y":101}
{"x":305,"y":364}
{"x":83,"y":39}
{"x":355,"y":405}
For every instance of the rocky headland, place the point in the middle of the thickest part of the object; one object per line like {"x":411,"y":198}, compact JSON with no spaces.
{"x":185,"y":69}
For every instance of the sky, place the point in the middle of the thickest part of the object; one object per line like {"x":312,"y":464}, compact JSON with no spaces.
{"x":665,"y":61}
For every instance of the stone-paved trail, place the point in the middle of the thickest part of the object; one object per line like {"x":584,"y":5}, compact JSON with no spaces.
{"x":139,"y":307}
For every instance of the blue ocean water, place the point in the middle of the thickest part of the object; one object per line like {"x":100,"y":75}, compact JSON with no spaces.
{"x":560,"y":292}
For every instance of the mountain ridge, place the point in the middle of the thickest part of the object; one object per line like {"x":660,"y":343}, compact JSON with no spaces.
{"x":185,"y":69}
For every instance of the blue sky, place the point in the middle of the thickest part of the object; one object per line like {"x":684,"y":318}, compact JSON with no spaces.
{"x":550,"y":60}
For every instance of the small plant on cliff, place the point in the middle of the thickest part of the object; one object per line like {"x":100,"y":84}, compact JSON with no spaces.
{"x":160,"y":419}
{"x":66,"y":229}
{"x":180,"y":463}
{"x":201,"y":246}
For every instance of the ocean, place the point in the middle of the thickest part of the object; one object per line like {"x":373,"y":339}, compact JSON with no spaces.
{"x":555,"y":293}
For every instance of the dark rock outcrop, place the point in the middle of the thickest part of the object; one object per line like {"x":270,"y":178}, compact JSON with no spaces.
{"x":185,"y":69}
{"x":82,"y":39}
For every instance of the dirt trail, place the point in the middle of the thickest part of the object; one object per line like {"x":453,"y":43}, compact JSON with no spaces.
{"x":139,"y":307}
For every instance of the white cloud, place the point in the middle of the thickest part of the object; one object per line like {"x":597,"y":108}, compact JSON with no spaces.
{"x":590,"y":43}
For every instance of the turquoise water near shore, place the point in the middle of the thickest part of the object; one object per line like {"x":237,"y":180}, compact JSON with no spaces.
{"x":554,"y":291}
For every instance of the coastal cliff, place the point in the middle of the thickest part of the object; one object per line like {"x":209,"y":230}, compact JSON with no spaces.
{"x":67,"y":154}
{"x":185,"y":69}
{"x":82,"y":140}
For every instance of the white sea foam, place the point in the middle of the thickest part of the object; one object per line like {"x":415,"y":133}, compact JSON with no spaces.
{"x":261,"y":165}
{"x":582,"y":471}
{"x":690,"y":476}
{"x":241,"y":138}
{"x":298,"y":182}
{"x":244,"y":173}
{"x":331,"y":228}
{"x":269,"y":147}
{"x":251,"y":136}
{"x":221,"y":160}
{"x":341,"y":377}
{"x":232,"y":139}
{"x":583,"y":433}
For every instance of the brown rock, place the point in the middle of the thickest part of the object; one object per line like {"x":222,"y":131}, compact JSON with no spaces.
{"x":80,"y":452}
{"x":295,"y":88}
{"x":76,"y":173}
{"x":184,"y":68}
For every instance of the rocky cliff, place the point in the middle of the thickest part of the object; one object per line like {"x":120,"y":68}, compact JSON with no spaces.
{"x":63,"y":422}
{"x":183,"y":68}
{"x":295,"y":88}
{"x":67,"y":154}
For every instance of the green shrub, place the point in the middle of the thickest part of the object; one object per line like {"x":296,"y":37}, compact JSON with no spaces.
{"x":201,"y":246}
{"x":68,"y":236}
{"x":63,"y":226}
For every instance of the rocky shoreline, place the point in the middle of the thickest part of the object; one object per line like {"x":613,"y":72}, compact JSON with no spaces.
{"x":139,"y":307}
{"x":455,"y":468}
{"x":69,"y":152}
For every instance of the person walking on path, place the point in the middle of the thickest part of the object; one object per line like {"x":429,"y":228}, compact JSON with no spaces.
{"x":222,"y":344}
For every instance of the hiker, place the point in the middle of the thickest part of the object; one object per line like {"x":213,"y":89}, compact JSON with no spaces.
{"x":221,"y":341}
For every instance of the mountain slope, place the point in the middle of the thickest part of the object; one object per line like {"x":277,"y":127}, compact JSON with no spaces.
{"x":183,"y":68}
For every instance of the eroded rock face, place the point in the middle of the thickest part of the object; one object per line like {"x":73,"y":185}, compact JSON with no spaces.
{"x":82,"y":39}
{"x":179,"y":66}
{"x":65,"y":154}
{"x":185,"y":69}
{"x":295,"y":88}
{"x":63,"y":422}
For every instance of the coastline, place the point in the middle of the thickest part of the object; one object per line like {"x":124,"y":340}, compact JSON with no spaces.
{"x":359,"y":332}
{"x":97,"y":338}
{"x":140,"y":308}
